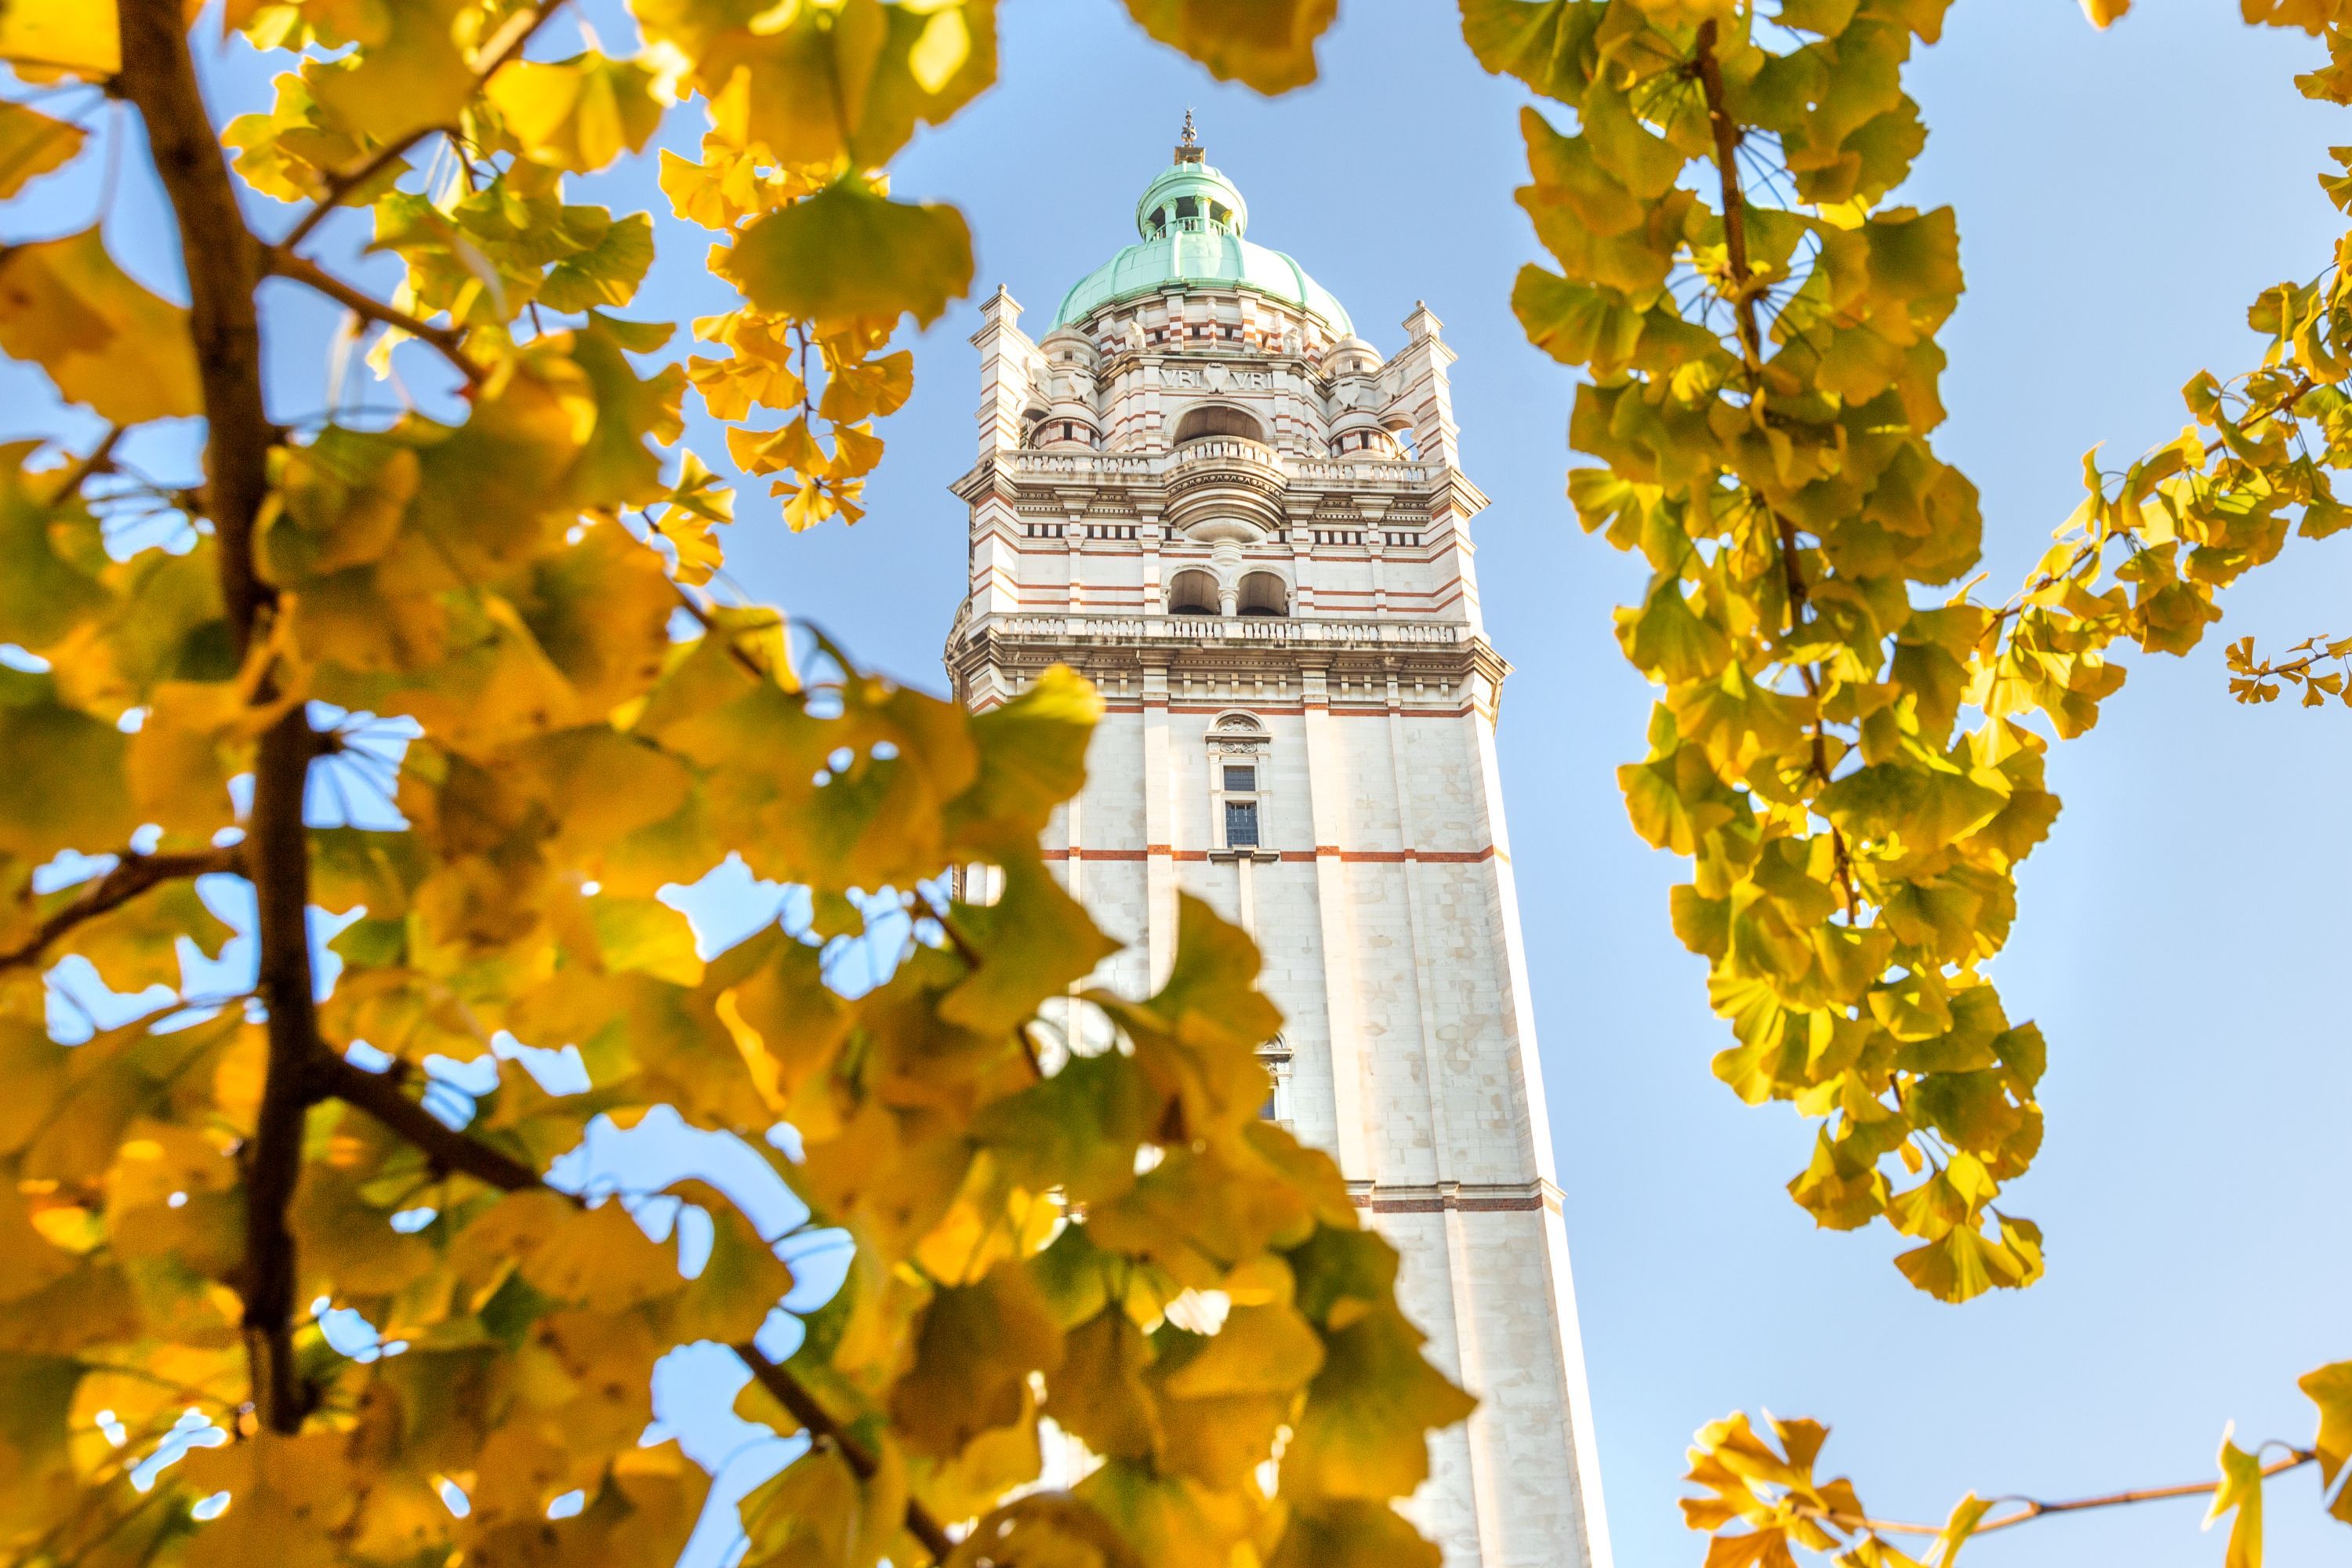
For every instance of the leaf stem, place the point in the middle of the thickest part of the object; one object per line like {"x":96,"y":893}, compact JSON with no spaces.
{"x":1734,"y":202}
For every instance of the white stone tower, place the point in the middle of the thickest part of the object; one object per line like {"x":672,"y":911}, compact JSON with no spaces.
{"x":1202,"y":490}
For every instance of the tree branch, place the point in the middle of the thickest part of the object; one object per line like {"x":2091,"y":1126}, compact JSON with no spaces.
{"x":281,"y":264}
{"x":1735,"y":205}
{"x":1734,"y":202}
{"x":795,"y":1396}
{"x":131,"y":875}
{"x":380,"y":1096}
{"x":222,"y":264}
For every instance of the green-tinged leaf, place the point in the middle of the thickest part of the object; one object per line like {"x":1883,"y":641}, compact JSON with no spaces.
{"x":845,"y":252}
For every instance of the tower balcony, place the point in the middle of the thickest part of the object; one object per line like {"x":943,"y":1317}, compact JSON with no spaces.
{"x":1236,"y":632}
{"x":1215,"y":468}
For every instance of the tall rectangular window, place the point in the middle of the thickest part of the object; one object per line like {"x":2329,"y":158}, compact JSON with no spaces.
{"x":1241,"y":824}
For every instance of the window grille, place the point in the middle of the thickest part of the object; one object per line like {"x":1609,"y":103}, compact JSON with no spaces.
{"x":1241,"y":824}
{"x":1242,"y":780}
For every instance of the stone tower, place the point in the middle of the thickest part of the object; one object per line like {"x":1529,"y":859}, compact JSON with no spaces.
{"x":1251,"y":531}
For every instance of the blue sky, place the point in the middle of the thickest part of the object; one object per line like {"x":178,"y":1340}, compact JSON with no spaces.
{"x":2121,"y":196}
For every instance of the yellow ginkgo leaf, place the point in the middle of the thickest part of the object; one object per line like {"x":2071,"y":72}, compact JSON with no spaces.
{"x":104,"y":338}
{"x":31,"y":145}
{"x":45,"y":38}
{"x":1265,"y":44}
{"x":578,"y":115}
{"x":2241,"y":1491}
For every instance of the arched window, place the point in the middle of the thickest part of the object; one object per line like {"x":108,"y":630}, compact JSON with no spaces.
{"x":1264,"y":593}
{"x":1192,"y":592}
{"x":1217,"y":419}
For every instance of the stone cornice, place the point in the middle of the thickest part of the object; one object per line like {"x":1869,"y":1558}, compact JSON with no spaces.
{"x":1012,"y":475}
{"x":1237,"y":643}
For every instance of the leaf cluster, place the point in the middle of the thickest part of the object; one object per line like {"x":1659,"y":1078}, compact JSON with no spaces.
{"x":288,"y":1270}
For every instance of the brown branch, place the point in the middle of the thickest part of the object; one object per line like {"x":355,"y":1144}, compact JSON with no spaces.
{"x":159,"y":76}
{"x":380,"y":1096}
{"x":1735,"y":205}
{"x":223,"y":265}
{"x":2031,"y":1508}
{"x":795,"y":1397}
{"x":131,"y":875}
{"x":504,"y":46}
{"x":359,"y":302}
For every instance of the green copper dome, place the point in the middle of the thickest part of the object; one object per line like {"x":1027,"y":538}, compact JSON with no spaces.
{"x":1192,"y":219}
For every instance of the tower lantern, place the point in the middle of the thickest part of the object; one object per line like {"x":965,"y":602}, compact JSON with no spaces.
{"x":1250,"y":529}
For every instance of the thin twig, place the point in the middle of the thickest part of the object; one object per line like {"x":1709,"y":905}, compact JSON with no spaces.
{"x":1735,"y":224}
{"x":2031,"y":1508}
{"x":99,"y":460}
{"x":1752,"y":354}
{"x":447,"y":340}
{"x":795,"y":1397}
{"x":380,"y":1096}
{"x":131,"y":877}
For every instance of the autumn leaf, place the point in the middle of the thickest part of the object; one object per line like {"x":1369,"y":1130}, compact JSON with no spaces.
{"x":845,"y":252}
{"x":104,"y":340}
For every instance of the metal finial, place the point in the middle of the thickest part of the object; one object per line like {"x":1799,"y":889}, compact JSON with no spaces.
{"x":1192,"y":138}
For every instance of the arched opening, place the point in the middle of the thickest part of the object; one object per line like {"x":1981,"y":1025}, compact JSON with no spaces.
{"x":1264,"y":593}
{"x":1217,"y":419}
{"x":1193,"y":592}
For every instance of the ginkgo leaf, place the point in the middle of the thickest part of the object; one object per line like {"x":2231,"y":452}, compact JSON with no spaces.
{"x":578,"y":115}
{"x":1362,"y":1433}
{"x":61,"y":774}
{"x":50,"y":36}
{"x":104,"y":340}
{"x":411,"y":74}
{"x":1268,"y":45}
{"x":846,"y":86}
{"x":31,"y":144}
{"x":974,"y":1353}
{"x":46,"y":590}
{"x":2239,"y":1497}
{"x":1348,"y":1533}
{"x":845,"y":252}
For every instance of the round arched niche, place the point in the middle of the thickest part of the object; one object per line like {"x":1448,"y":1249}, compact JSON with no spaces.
{"x":1262,"y":593}
{"x":1194,"y":591}
{"x":1203,"y":420}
